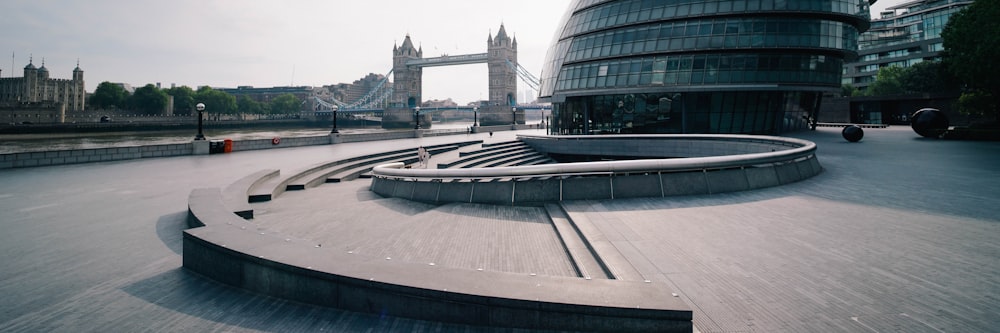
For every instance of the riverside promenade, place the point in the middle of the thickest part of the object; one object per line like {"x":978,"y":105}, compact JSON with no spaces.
{"x":899,"y":233}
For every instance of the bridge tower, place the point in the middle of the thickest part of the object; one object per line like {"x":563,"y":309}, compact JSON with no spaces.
{"x":502,"y":53}
{"x":502,"y":59}
{"x":407,"y":80}
{"x":407,"y":88}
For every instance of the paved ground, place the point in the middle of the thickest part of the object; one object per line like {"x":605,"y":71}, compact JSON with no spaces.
{"x":898,"y":234}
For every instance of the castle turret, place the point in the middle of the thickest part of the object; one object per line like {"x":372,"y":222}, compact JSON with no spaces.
{"x":29,"y":92}
{"x":78,"y":100}
{"x":78,"y":73}
{"x":43,"y":73}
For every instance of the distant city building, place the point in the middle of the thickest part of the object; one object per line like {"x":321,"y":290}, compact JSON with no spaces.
{"x":697,"y":66}
{"x":125,"y":86}
{"x":265,"y":95}
{"x":351,"y":92}
{"x":37,"y":87}
{"x":436,"y":103}
{"x":903,"y":35}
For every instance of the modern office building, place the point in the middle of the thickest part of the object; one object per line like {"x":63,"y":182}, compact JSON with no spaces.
{"x":697,"y":66}
{"x":903,"y":35}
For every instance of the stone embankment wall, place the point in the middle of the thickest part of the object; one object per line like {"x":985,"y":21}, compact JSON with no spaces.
{"x":61,"y":157}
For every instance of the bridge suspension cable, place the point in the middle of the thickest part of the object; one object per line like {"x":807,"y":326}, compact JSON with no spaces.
{"x":371,"y":100}
{"x":531,"y":80}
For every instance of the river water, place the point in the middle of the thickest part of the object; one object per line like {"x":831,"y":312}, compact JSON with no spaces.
{"x":17,"y":143}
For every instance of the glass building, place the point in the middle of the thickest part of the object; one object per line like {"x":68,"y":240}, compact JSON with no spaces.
{"x":697,"y":66}
{"x":903,"y":35}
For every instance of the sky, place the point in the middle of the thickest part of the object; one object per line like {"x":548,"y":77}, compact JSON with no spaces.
{"x":229,"y":43}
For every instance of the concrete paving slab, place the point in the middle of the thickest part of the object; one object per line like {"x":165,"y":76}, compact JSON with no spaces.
{"x":897,"y":232}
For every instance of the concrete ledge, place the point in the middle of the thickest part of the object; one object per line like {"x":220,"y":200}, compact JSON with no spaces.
{"x":744,"y":162}
{"x":237,"y":194}
{"x":317,"y":174}
{"x":200,"y":147}
{"x":850,"y":124}
{"x":221,"y":248}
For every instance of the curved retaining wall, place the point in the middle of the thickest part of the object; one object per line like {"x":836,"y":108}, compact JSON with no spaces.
{"x":222,"y":247}
{"x":707,"y":164}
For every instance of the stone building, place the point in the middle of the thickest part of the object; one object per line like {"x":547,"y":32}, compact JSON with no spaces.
{"x":352,"y":92}
{"x":36,"y":87}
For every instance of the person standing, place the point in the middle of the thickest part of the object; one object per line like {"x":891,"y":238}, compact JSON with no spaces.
{"x":421,"y":162}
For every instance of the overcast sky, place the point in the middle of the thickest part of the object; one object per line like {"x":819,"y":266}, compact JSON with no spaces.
{"x":229,"y":43}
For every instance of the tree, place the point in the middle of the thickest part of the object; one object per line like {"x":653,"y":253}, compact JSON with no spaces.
{"x":149,"y":100}
{"x":848,"y":90}
{"x":286,"y":103}
{"x":183,"y":99}
{"x":888,"y":81}
{"x":972,"y":43}
{"x":247,"y":105}
{"x":216,"y":101}
{"x":975,"y":103}
{"x":109,"y":96}
{"x":929,"y":77}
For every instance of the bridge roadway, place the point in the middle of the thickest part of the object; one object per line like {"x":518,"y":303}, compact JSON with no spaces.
{"x":898,"y":234}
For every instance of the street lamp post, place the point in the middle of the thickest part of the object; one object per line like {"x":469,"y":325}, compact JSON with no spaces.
{"x":475,"y":116}
{"x":547,"y":125}
{"x":513,"y":115}
{"x":335,"y":120}
{"x":201,"y":108}
{"x":416,"y":115}
{"x":677,"y":98}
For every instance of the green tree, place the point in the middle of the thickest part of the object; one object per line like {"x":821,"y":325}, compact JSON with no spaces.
{"x":286,"y":103}
{"x":247,"y":105}
{"x":888,"y":81}
{"x":109,"y":96}
{"x":149,"y":100}
{"x":975,"y":103}
{"x":972,"y":43}
{"x":929,"y":77}
{"x":215,"y":101}
{"x":183,"y":99}
{"x":848,"y":90}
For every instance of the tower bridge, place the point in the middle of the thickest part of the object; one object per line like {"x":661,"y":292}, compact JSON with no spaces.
{"x":397,"y":102}
{"x":449,"y":60}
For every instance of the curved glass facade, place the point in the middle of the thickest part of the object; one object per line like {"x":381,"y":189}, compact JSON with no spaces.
{"x":697,"y":66}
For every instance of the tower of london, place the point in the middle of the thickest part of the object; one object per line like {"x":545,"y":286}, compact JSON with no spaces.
{"x":36,"y":87}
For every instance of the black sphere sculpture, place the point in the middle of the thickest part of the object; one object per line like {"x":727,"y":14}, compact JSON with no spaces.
{"x":929,"y":123}
{"x":853,"y":133}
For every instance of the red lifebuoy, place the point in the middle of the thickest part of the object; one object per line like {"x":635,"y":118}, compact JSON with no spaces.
{"x":275,"y":140}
